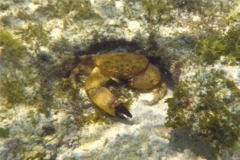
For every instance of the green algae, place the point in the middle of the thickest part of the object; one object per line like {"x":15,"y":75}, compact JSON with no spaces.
{"x":64,"y":89}
{"x":36,"y":32}
{"x":161,"y":11}
{"x":212,"y":46}
{"x":12,"y":85}
{"x":17,"y":73}
{"x":4,"y":132}
{"x":5,"y":5}
{"x":201,"y":7}
{"x":78,"y":10}
{"x":214,"y":117}
{"x":12,"y":49}
{"x":158,"y":11}
{"x":12,"y":89}
{"x":23,"y":148}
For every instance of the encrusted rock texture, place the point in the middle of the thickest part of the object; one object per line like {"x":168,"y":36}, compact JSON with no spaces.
{"x":46,"y":114}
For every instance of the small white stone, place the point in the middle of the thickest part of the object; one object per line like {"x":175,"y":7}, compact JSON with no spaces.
{"x":133,"y":26}
{"x":196,"y":18}
{"x":119,"y":5}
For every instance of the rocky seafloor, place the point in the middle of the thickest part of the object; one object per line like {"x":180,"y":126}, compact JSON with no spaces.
{"x":46,"y":114}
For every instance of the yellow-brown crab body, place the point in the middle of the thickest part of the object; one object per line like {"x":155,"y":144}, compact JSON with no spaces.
{"x":135,"y":68}
{"x":128,"y":66}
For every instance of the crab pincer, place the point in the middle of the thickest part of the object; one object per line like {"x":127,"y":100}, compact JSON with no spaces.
{"x":135,"y":68}
{"x":121,"y":110}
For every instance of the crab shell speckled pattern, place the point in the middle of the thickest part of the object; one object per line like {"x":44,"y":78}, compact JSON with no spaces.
{"x":121,"y":65}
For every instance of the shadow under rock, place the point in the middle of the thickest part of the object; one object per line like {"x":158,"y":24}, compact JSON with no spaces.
{"x":183,"y":139}
{"x":107,"y":46}
{"x":126,"y":121}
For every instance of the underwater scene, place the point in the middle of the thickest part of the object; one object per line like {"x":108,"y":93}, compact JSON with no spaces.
{"x":120,"y":79}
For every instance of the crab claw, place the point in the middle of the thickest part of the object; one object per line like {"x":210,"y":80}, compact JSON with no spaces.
{"x":120,"y":111}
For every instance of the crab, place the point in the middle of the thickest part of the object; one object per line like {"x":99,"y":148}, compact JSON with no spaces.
{"x":133,"y":67}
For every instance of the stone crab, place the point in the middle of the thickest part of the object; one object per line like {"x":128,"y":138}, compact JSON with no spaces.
{"x":135,"y":68}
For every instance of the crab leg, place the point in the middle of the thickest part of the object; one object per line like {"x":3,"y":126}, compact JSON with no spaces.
{"x":102,"y":97}
{"x":149,"y":80}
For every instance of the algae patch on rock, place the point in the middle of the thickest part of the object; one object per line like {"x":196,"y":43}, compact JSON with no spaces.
{"x":211,"y":46}
{"x":11,"y":48}
{"x":11,"y":57}
{"x":208,"y":105}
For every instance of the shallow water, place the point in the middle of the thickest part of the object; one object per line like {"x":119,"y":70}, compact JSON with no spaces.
{"x":45,"y":112}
